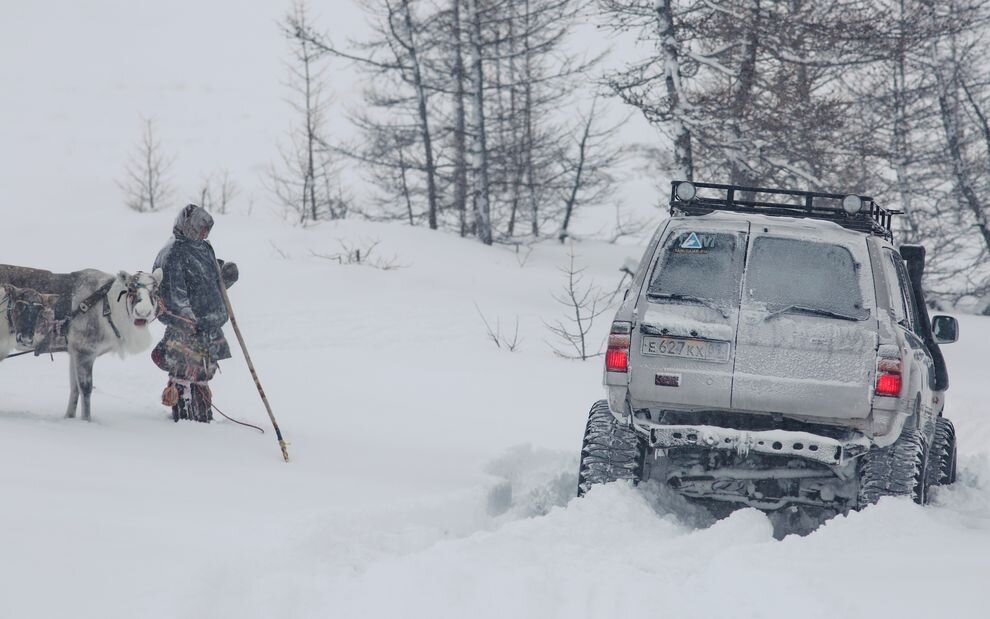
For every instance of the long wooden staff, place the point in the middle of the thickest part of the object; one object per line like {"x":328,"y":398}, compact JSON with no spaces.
{"x":247,"y":357}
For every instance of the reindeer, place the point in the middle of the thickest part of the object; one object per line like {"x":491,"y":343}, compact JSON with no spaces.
{"x":86,"y":313}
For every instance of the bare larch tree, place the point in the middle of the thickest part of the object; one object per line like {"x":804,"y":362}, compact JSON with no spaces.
{"x":305,"y":182}
{"x":583,"y":303}
{"x":146,"y":184}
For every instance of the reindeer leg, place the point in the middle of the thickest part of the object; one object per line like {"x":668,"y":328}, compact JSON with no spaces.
{"x":70,"y":411}
{"x":84,"y":369}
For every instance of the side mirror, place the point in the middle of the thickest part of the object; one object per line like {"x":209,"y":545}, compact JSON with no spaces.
{"x":945,"y":329}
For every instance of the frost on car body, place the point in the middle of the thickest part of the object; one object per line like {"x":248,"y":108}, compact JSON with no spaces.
{"x":772,"y":351}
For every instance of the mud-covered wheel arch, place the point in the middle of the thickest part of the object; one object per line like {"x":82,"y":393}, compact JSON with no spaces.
{"x":611,"y":451}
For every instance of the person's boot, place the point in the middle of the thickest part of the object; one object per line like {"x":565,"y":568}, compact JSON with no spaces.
{"x":208,"y":403}
{"x":200,"y":400}
{"x":171,"y":398}
{"x":181,"y":408}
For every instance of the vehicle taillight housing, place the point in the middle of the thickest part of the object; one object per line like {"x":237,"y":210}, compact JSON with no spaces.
{"x":617,"y":354}
{"x":889,"y":378}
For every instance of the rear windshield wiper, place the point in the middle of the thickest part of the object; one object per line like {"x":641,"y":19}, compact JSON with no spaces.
{"x":817,"y":311}
{"x":669,"y":296}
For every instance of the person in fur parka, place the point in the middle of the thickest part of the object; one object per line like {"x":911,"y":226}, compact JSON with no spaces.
{"x":194,"y":314}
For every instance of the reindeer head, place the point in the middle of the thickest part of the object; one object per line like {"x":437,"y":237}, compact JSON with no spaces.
{"x":31,"y":314}
{"x":141,"y":291}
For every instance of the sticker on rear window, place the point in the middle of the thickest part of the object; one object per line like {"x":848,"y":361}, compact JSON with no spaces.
{"x":691,"y":242}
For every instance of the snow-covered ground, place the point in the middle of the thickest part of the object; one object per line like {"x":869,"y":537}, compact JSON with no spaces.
{"x":432,"y":473}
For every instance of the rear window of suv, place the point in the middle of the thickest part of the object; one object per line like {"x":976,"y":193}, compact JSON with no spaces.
{"x":705,"y":265}
{"x":791,"y":272}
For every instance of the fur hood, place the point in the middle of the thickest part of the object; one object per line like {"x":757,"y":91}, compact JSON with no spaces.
{"x":192,"y":224}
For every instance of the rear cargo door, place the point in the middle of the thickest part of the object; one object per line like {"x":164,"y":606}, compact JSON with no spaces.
{"x":682,"y":348}
{"x":807,"y":336}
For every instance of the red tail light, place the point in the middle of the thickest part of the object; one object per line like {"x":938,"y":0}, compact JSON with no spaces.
{"x":889,"y":378}
{"x":617,"y":354}
{"x":617,"y":360}
{"x":889,"y":385}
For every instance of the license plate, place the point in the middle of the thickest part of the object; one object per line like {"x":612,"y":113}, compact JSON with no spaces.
{"x":701,"y":350}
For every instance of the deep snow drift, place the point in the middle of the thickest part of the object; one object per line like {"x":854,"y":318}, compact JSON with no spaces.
{"x":432,"y":473}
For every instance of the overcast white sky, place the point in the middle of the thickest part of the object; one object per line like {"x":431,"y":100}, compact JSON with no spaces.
{"x":79,"y":76}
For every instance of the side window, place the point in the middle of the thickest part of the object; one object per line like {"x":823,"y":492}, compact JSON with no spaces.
{"x":901,"y":294}
{"x":648,"y":258}
{"x":897,"y":304}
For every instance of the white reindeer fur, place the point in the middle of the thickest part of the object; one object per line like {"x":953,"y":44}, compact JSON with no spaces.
{"x":133,"y":339}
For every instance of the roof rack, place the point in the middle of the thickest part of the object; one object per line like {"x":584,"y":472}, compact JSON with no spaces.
{"x":860,"y":213}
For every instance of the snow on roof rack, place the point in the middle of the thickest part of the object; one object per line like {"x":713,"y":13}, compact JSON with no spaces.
{"x":860,"y":213}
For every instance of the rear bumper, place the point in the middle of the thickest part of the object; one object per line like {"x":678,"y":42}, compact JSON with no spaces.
{"x":825,"y":450}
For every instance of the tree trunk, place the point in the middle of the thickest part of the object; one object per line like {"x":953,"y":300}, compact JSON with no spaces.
{"x":901,"y":128}
{"x":405,"y":186}
{"x":309,"y":182}
{"x":149,"y":153}
{"x":424,"y":119}
{"x":514,"y":153}
{"x":578,"y":175}
{"x":481,"y":190}
{"x":683,"y":156}
{"x":742,"y":98}
{"x":500,"y":161}
{"x":460,"y":141}
{"x":534,"y":209}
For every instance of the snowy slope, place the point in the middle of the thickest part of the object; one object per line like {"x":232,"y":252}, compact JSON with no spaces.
{"x":431,"y":473}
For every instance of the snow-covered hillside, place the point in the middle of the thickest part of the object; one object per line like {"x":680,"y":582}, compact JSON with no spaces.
{"x":432,"y":473}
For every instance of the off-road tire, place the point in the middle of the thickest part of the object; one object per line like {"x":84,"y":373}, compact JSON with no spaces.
{"x":942,"y":455}
{"x":900,"y":469}
{"x":611,"y":451}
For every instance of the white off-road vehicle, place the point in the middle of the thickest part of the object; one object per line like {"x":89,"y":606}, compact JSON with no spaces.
{"x":774,"y":349}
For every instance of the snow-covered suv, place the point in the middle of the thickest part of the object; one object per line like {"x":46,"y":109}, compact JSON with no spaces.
{"x":775,"y":349}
